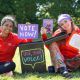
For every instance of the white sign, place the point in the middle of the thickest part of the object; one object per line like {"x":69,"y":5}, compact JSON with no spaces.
{"x":75,"y":41}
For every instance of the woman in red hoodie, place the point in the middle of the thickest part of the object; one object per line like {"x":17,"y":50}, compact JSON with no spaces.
{"x":62,"y":54}
{"x":8,"y":44}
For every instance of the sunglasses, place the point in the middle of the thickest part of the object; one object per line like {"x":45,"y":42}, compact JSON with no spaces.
{"x":61,"y":24}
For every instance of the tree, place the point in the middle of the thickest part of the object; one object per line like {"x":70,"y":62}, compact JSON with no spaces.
{"x":35,"y":10}
{"x":23,"y":9}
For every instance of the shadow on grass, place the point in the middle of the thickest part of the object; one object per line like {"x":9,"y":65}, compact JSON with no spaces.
{"x":76,"y":73}
{"x":46,"y":75}
{"x":38,"y":75}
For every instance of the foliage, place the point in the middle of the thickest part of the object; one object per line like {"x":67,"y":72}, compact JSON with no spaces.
{"x":35,"y":10}
{"x":23,"y":10}
{"x":52,"y":8}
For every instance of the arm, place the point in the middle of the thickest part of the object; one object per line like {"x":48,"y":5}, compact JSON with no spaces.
{"x":44,"y":37}
{"x":57,"y":32}
{"x":19,"y":40}
{"x":43,"y":33}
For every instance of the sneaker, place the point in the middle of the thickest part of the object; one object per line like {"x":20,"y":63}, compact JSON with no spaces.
{"x":64,"y":72}
{"x":67,"y":75}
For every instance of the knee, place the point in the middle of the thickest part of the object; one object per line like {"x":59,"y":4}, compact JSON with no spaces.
{"x":54,"y":46}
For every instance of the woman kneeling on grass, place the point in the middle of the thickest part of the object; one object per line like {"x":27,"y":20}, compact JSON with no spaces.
{"x":8,"y":44}
{"x":63,"y":56}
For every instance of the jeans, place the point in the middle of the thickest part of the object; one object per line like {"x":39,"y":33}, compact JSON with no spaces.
{"x":6,"y":67}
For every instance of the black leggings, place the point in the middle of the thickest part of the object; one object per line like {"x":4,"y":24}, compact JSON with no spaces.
{"x":6,"y":67}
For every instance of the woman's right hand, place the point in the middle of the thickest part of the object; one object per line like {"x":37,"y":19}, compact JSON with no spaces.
{"x":58,"y":31}
{"x":43,"y":30}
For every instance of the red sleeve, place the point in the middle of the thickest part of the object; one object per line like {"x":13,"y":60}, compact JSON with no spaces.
{"x":19,"y":40}
{"x":44,"y":37}
{"x":29,"y":40}
{"x":24,"y":40}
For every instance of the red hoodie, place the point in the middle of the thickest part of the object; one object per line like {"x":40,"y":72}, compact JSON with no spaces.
{"x":65,"y":49}
{"x":9,"y":45}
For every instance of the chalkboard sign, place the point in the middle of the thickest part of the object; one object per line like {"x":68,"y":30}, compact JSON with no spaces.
{"x":32,"y":57}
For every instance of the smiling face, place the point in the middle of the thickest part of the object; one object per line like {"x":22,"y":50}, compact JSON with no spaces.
{"x":66,"y":25}
{"x":7,"y":27}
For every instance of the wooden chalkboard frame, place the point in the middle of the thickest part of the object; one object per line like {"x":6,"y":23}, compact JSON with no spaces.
{"x":56,"y":38}
{"x":34,"y":63}
{"x":39,"y":67}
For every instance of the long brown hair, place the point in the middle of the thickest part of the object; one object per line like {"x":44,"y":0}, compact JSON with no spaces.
{"x":72,"y":26}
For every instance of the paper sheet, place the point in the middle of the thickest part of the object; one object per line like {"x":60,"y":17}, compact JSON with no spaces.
{"x":75,"y":41}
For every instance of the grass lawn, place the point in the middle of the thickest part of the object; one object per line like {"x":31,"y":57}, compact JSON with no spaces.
{"x":37,"y":76}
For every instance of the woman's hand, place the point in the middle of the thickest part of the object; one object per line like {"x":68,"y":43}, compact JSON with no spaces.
{"x":43,"y":30}
{"x":58,"y":31}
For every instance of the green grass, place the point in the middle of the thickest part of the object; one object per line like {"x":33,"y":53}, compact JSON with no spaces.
{"x":37,"y":76}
